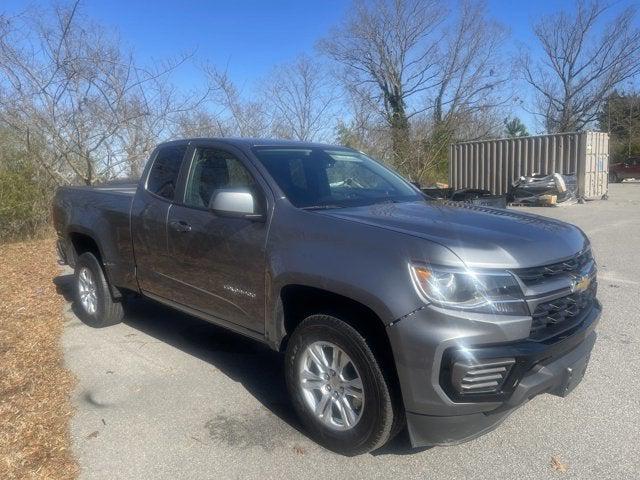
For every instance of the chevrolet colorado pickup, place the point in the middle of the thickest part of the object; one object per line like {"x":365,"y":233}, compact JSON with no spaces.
{"x":391,"y":309}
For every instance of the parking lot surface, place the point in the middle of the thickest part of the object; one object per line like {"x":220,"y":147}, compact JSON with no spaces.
{"x":164,"y":395}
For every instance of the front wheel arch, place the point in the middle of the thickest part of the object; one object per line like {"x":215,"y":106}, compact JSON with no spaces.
{"x":383,"y":415}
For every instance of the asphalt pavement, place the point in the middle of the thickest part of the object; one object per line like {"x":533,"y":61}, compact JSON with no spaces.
{"x":167,"y":396}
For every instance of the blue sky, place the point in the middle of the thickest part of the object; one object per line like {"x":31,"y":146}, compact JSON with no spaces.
{"x":251,"y":36}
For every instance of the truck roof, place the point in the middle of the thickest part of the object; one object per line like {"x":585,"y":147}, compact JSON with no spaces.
{"x":255,"y":142}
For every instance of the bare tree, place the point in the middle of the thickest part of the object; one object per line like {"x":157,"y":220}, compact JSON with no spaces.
{"x":468,"y":88}
{"x":301,"y":99}
{"x":470,"y":70}
{"x":68,"y":83}
{"x":581,"y":66}
{"x":388,"y":53}
{"x":202,"y":122}
{"x":243,"y":117}
{"x":421,"y":64}
{"x":364,"y":130}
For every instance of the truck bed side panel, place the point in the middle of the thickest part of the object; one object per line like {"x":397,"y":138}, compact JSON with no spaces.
{"x":104,"y":215}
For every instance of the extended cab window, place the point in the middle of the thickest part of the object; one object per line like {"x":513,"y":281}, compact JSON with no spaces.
{"x":214,"y":169}
{"x":163,"y":177}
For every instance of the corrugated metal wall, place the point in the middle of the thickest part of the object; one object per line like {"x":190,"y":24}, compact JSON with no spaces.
{"x":494,"y":164}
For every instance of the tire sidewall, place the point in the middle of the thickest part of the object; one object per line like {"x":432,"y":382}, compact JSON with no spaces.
{"x":90,"y":262}
{"x":352,"y":441}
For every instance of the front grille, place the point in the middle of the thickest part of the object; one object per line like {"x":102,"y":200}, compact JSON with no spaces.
{"x":561,"y":313}
{"x":535,"y":275}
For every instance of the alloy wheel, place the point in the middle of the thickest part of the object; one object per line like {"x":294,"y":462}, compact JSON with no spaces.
{"x":331,"y":386}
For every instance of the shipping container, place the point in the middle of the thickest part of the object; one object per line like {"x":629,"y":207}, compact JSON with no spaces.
{"x":494,"y":164}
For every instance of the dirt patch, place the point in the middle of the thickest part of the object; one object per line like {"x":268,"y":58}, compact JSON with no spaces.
{"x":257,"y":429}
{"x":34,"y":385}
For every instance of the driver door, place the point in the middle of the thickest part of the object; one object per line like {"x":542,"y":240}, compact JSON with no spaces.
{"x":219,"y":262}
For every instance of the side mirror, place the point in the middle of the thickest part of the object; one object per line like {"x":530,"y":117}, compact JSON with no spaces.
{"x":235,"y":202}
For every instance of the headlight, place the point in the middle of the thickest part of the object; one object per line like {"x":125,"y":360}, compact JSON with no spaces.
{"x":465,"y":290}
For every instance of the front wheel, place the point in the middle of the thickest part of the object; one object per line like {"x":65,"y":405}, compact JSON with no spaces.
{"x":96,"y":307}
{"x":338,"y":388}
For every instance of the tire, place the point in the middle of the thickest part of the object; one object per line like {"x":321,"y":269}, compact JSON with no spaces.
{"x":98,"y":309}
{"x":614,"y":178}
{"x":380,"y":415}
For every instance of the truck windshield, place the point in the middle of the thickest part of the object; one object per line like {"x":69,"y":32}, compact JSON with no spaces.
{"x":332,"y":178}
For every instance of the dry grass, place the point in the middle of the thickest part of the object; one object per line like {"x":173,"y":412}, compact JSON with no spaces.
{"x":34,"y":385}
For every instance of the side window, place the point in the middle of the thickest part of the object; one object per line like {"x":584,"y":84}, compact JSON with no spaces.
{"x":163,"y":176}
{"x":211,"y":170}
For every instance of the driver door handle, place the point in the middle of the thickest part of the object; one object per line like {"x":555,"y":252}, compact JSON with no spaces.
{"x":180,"y":226}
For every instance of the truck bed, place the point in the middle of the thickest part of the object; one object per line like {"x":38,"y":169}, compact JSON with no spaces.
{"x":104,"y":210}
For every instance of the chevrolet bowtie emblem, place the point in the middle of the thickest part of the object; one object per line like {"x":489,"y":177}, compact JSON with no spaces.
{"x":580,"y":284}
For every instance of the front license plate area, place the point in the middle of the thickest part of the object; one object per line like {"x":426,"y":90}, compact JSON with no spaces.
{"x":572,"y":376}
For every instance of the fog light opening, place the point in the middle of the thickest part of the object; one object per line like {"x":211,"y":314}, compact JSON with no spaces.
{"x":480,"y":375}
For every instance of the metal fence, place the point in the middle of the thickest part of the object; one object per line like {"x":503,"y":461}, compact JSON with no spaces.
{"x":494,"y":164}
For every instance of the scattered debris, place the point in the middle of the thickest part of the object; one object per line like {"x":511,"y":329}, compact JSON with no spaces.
{"x":558,"y":465}
{"x":93,"y":434}
{"x":544,"y":190}
{"x":299,"y":450}
{"x":196,"y":439}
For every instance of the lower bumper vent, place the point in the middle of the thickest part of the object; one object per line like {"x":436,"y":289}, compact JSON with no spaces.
{"x":484,"y":376}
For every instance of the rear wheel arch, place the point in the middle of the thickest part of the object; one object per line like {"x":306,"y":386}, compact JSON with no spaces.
{"x":84,"y":242}
{"x":100,"y":309}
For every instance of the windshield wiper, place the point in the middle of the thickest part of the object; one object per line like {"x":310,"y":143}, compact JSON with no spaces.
{"x":321,"y":207}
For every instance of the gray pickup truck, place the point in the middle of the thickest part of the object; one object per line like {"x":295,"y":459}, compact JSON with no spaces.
{"x":391,"y":309}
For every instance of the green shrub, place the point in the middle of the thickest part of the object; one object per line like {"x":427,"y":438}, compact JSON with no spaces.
{"x":24,"y":204}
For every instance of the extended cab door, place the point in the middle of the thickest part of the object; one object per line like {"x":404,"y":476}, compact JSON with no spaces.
{"x":218,"y":263}
{"x":154,"y":198}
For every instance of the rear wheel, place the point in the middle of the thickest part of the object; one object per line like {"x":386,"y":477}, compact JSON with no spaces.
{"x":96,"y":306}
{"x":614,"y":178}
{"x":338,"y":388}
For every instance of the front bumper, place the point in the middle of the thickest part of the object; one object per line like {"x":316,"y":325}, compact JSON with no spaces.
{"x":423,"y":341}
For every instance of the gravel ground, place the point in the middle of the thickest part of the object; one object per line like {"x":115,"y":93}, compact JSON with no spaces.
{"x":164,"y":395}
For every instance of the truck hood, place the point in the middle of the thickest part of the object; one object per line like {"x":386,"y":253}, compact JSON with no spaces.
{"x":481,"y":237}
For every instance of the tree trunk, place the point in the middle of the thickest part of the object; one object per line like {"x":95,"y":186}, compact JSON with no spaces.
{"x":89,"y":178}
{"x":400,"y":136}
